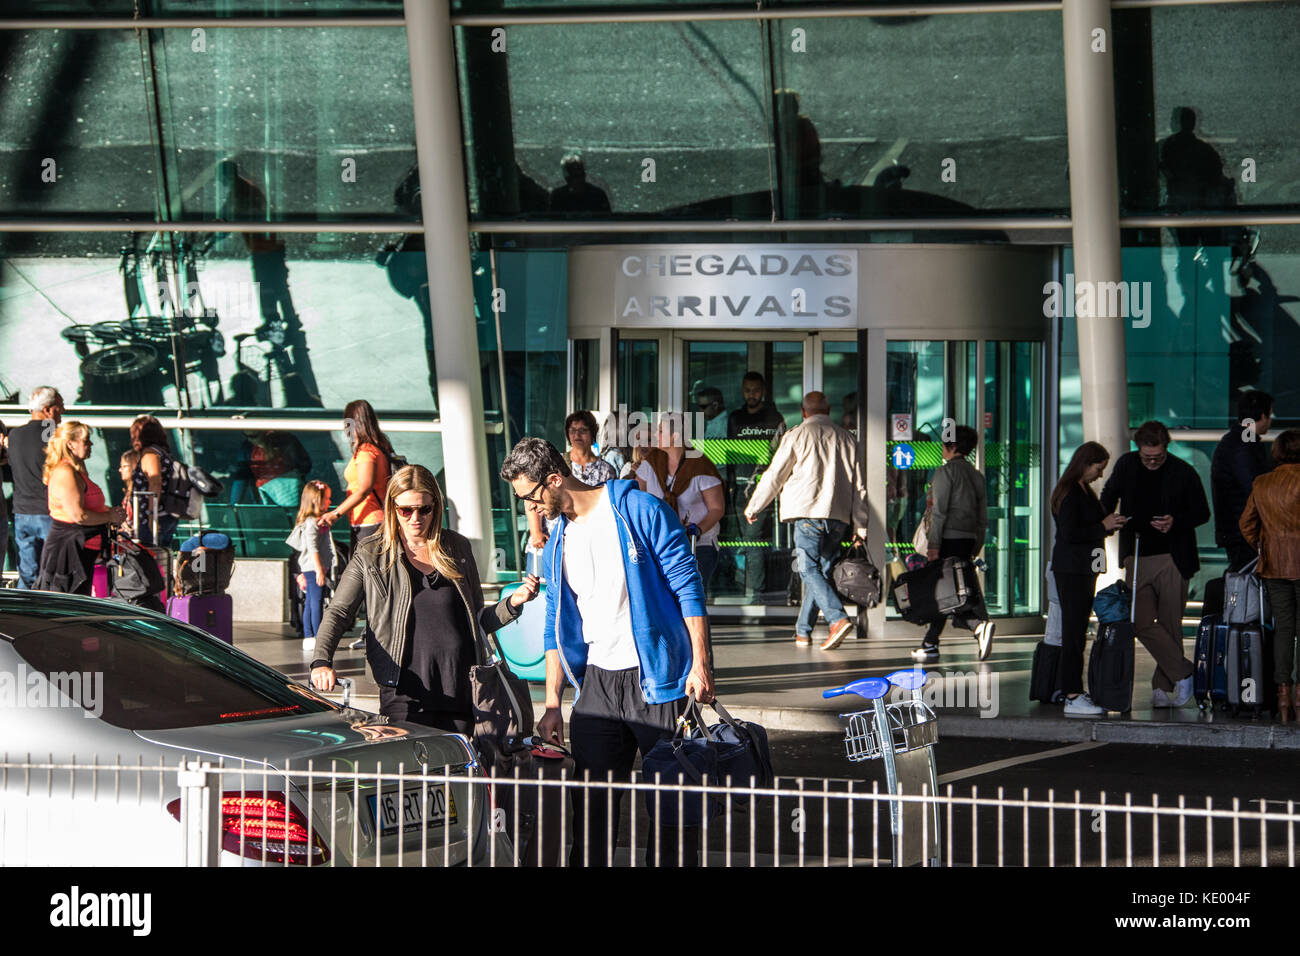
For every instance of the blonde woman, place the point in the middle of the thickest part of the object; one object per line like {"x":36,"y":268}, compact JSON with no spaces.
{"x":423,"y":602}
{"x":77,"y":512}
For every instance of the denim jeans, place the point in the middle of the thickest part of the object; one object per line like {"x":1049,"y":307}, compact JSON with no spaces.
{"x":30,"y":531}
{"x":816,"y":544}
{"x":312,"y":605}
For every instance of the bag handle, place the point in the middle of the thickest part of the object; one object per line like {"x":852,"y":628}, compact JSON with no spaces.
{"x":692,"y":709}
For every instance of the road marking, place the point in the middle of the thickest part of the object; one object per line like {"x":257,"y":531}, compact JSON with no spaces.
{"x":1015,"y":761}
{"x":886,"y":160}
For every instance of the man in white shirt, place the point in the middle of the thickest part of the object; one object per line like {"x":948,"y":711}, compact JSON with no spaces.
{"x":815,"y":471}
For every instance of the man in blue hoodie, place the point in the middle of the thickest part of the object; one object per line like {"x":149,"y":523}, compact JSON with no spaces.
{"x":625,"y":625}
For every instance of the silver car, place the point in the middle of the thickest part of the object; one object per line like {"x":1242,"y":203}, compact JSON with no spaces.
{"x":90,"y":684}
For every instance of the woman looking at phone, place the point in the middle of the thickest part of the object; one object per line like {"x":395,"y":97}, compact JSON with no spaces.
{"x":1077,"y":557}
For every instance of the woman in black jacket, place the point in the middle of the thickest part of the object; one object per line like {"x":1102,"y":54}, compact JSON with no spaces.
{"x":1081,"y":529}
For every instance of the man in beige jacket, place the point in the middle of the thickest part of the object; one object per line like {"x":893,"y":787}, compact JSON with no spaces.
{"x":815,"y":471}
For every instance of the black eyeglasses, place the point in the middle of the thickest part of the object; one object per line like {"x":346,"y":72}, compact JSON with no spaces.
{"x":531,"y":497}
{"x":423,"y":510}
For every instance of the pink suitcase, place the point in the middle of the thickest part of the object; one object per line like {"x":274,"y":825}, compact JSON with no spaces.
{"x":99,"y":582}
{"x":213,"y":613}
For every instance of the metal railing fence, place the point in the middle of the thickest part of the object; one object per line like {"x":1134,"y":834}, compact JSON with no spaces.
{"x":213,"y":813}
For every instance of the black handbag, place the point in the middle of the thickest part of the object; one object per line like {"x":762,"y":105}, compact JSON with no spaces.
{"x":856,"y":579}
{"x":732,"y":748}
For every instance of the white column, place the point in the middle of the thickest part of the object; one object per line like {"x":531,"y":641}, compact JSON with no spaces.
{"x":1094,"y":210}
{"x":446,"y":236}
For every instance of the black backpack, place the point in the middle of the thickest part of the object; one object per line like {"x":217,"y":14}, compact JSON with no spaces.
{"x":856,"y":579}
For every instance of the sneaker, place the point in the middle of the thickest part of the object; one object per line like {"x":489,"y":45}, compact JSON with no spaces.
{"x":803,"y":640}
{"x":839,"y":631}
{"x":984,"y":638}
{"x":1082,"y":706}
{"x":308,"y":643}
{"x":1160,"y":699}
{"x":926,"y":653}
{"x":1183,"y":691}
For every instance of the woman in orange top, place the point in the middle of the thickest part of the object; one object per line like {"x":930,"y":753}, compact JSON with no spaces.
{"x":366,"y":475}
{"x":77,"y":508}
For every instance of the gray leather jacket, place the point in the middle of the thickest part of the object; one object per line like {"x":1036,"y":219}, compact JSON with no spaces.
{"x":387,"y":594}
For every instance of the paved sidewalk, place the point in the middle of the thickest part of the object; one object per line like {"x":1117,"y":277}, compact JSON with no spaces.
{"x":763,"y":676}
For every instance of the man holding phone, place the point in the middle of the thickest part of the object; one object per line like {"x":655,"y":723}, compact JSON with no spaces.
{"x":1164,"y":502}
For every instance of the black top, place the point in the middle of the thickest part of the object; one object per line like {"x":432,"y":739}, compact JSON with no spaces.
{"x":27,"y":463}
{"x":1079,"y":532}
{"x":1173,"y":489}
{"x":1233,"y":470}
{"x":439,"y":650}
{"x":766,"y":424}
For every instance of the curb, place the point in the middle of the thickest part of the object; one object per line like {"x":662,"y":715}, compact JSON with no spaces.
{"x":1239,"y":736}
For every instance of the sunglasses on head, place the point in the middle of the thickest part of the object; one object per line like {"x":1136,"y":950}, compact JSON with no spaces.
{"x":407,"y":510}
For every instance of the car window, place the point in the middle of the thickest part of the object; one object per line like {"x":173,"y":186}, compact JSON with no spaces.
{"x":159,"y":675}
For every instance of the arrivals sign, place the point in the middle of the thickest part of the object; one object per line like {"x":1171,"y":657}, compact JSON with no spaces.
{"x":741,"y":287}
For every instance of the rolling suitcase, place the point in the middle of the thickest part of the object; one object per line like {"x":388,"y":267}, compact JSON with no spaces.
{"x":1044,"y":678}
{"x":213,"y":613}
{"x":1210,"y":679}
{"x":1246,"y":668}
{"x":1110,"y":664}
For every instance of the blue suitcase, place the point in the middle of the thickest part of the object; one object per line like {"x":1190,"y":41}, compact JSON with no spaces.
{"x":213,"y":613}
{"x":521,"y":639}
{"x":1210,"y":679}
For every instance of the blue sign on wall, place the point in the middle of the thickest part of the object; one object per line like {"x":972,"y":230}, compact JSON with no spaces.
{"x":903,"y":456}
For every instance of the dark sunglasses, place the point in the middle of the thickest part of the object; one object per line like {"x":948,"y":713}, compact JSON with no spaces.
{"x":423,"y":511}
{"x":532,"y":495}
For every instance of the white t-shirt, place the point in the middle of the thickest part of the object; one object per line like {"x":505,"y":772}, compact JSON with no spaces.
{"x":691,"y":507}
{"x":593,"y":567}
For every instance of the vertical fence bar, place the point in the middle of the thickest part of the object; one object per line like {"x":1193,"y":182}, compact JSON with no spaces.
{"x":1263,"y":833}
{"x":1128,"y":830}
{"x":1182,"y":831}
{"x":1236,"y":831}
{"x":851,"y":800}
{"x":1078,"y":829}
{"x":1104,"y":852}
{"x":875,"y":823}
{"x":1290,"y":833}
{"x":1024,"y":826}
{"x":565,"y":790}
{"x":1000,"y":804}
{"x":974,"y":826}
{"x":1209,"y":831}
{"x":311,"y":827}
{"x":1155,"y":829}
{"x":471,"y":829}
{"x":950,"y":816}
{"x":826,"y":823}
{"x":446,"y":815}
{"x":776,"y":823}
{"x":356,"y":818}
{"x":802,"y":817}
{"x":424,"y":813}
{"x":200,"y":812}
{"x":265,"y":811}
{"x":925,"y":825}
{"x":726,"y":842}
{"x":704,"y":821}
{"x":1051,"y":828}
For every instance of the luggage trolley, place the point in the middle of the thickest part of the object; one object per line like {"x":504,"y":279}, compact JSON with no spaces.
{"x":903,"y":734}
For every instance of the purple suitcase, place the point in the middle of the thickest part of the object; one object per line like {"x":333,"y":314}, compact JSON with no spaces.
{"x":213,"y":613}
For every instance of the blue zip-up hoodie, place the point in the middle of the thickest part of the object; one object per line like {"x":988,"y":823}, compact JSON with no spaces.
{"x":663,"y":589}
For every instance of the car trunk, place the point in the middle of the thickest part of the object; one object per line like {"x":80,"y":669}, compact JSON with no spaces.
{"x":415,"y":828}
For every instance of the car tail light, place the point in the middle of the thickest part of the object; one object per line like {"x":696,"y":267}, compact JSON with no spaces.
{"x":259,"y":824}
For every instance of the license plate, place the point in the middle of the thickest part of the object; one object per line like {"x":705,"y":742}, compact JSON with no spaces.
{"x":410,"y":815}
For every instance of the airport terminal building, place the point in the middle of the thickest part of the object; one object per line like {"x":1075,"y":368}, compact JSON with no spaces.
{"x":1048,"y":220}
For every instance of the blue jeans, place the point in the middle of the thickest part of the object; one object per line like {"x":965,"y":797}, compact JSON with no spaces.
{"x":816,"y":545}
{"x":30,"y":531}
{"x":706,"y":556}
{"x":312,"y":606}
{"x":166,"y":530}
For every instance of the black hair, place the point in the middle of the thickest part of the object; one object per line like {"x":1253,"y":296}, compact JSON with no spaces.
{"x":535,"y":459}
{"x":1253,"y":405}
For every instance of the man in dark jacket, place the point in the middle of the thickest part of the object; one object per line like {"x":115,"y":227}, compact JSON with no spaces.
{"x":1238,"y":460}
{"x":1164,"y":502}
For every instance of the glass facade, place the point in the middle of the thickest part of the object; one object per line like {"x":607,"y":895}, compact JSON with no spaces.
{"x":960,"y":116}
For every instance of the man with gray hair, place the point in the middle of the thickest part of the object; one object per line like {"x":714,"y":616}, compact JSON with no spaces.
{"x":815,"y":471}
{"x":27,"y":463}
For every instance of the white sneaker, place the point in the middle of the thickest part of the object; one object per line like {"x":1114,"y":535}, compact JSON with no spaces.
{"x":1160,"y":699}
{"x":1082,"y":706}
{"x":1183,"y":690}
{"x":984,"y":638}
{"x":308,"y":643}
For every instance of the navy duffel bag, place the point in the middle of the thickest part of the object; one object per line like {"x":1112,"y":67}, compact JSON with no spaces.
{"x":732,"y":747}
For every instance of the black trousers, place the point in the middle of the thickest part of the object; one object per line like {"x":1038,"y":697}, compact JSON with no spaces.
{"x":954,"y":548}
{"x":1075,"y":591}
{"x":611,"y":721}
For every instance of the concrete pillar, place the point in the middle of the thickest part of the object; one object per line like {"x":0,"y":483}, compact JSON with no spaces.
{"x":1094,"y":209}
{"x":447,"y":242}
